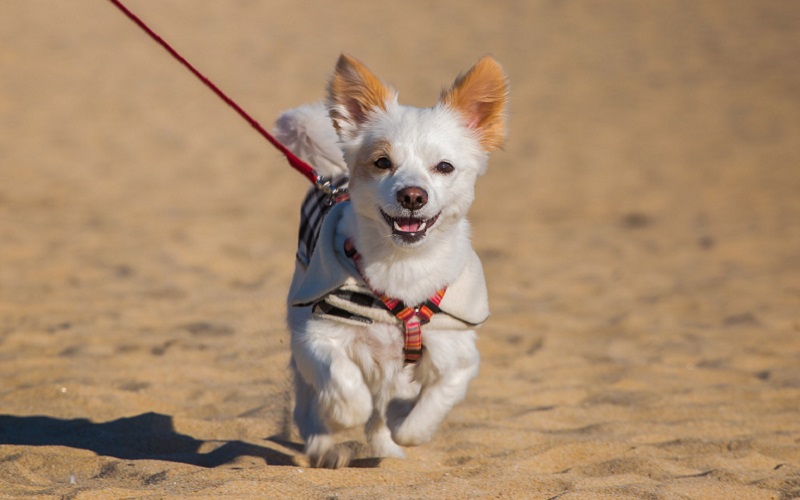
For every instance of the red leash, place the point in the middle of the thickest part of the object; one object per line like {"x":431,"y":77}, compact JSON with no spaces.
{"x":301,"y":166}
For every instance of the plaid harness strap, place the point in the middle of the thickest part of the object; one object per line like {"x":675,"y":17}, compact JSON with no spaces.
{"x":412,"y":317}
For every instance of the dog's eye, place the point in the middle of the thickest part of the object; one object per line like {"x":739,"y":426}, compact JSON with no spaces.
{"x":445,"y":168}
{"x":383,"y":163}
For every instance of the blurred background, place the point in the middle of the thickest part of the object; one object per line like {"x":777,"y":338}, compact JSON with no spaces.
{"x":640,"y":231}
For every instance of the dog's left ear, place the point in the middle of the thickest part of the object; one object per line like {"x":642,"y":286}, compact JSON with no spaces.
{"x":480,"y":96}
{"x":354,"y":92}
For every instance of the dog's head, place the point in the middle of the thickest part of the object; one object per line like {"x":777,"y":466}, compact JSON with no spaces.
{"x":413,"y":170}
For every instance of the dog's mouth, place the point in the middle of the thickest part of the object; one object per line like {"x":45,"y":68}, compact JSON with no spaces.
{"x":409,"y":229}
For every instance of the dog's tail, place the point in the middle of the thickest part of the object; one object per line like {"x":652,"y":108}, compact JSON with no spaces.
{"x":308,"y":132}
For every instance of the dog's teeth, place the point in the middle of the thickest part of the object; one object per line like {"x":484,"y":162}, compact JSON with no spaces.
{"x":409,"y":225}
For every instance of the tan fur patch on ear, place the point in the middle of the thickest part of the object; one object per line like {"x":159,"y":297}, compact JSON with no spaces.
{"x":354,"y":91}
{"x":480,"y":95}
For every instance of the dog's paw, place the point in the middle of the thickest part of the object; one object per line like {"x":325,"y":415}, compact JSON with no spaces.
{"x":410,"y":435}
{"x":323,"y":452}
{"x":334,"y":458}
{"x":383,"y":446}
{"x":406,"y":429}
{"x":388,"y":449}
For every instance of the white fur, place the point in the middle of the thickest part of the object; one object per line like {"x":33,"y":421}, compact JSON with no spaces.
{"x":307,"y":131}
{"x":348,"y":376}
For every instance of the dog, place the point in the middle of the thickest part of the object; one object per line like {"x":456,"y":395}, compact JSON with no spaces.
{"x":387,"y":291}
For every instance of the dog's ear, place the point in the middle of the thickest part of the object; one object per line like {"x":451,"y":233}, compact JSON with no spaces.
{"x":353,"y":93}
{"x":480,"y":96}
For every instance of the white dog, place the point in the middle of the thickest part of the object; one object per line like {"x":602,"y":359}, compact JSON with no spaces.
{"x":387,"y":289}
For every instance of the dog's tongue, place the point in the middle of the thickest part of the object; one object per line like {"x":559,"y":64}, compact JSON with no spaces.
{"x":408,"y":224}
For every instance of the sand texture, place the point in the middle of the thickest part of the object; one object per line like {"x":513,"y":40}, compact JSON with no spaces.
{"x":640,"y":234}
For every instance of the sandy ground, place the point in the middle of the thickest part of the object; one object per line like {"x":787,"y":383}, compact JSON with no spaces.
{"x":640,"y":234}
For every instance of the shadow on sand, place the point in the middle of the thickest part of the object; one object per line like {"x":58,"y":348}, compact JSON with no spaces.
{"x":149,"y":436}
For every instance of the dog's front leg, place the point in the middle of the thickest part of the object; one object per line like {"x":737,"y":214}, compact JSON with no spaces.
{"x":450,"y":360}
{"x":397,"y":385}
{"x":334,"y":394}
{"x":320,"y":446}
{"x":320,"y":354}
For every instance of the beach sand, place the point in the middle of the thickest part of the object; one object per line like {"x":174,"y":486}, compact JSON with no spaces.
{"x":640,"y":234}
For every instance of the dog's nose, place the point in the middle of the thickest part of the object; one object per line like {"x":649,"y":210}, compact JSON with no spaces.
{"x":412,"y":198}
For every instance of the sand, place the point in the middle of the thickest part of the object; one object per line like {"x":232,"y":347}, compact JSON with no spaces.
{"x":640,"y":234}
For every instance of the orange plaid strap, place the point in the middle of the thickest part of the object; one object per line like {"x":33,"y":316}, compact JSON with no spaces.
{"x":412,"y":317}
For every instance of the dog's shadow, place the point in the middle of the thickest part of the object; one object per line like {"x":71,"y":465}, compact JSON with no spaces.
{"x":147,"y":436}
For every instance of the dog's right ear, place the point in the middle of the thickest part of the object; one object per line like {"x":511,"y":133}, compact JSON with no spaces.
{"x":480,"y":96}
{"x":353,"y":93}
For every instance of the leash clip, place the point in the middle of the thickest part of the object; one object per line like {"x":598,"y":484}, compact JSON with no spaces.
{"x":333,"y":193}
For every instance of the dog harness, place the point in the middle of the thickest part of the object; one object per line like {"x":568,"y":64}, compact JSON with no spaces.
{"x":412,"y":317}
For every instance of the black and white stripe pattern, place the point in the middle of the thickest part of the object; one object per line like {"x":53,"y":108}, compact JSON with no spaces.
{"x":350,"y":305}
{"x":312,"y":213}
{"x":354,"y":304}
